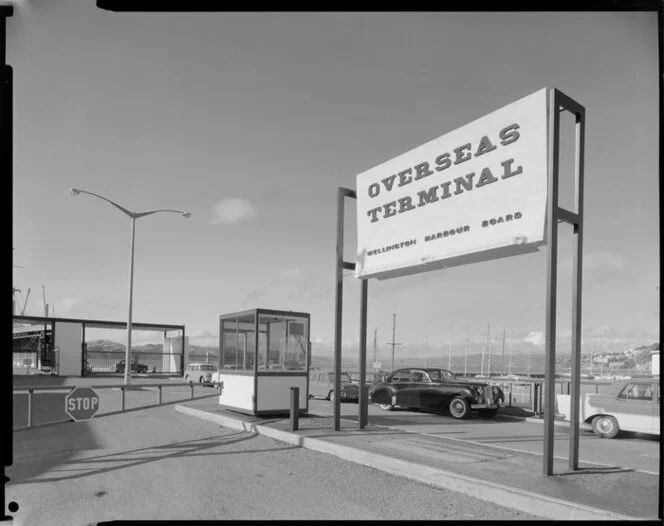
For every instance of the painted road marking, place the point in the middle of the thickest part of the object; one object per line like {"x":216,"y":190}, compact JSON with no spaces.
{"x":541,"y":454}
{"x":516,"y":450}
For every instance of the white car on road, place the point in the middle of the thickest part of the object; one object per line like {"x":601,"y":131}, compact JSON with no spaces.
{"x":201,"y":373}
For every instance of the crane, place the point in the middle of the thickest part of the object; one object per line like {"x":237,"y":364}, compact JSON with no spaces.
{"x":25,"y":303}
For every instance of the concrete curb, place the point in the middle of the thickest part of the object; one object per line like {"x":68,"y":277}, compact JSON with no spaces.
{"x":522,"y":500}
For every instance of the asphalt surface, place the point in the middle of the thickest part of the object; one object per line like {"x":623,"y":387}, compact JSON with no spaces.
{"x":161,"y":464}
{"x":482,"y":471}
{"x":629,"y":450}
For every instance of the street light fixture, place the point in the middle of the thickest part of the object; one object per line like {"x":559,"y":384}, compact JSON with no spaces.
{"x":134,"y":216}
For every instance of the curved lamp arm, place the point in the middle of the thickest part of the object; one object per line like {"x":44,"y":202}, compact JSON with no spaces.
{"x":134,"y":215}
{"x":76,"y":191}
{"x":141,"y":214}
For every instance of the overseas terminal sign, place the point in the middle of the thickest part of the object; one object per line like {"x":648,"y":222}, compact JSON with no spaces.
{"x":474,"y":194}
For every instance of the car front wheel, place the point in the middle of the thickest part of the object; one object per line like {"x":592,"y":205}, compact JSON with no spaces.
{"x":330,"y":396}
{"x":605,"y":426}
{"x":459,"y":408}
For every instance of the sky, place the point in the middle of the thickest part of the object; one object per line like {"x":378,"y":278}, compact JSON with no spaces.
{"x":251,"y":121}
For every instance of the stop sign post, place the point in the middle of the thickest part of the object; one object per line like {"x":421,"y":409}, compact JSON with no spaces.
{"x":82,"y":403}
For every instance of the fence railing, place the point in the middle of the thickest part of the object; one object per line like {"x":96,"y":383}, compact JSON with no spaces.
{"x":122,"y":387}
{"x":529,"y":393}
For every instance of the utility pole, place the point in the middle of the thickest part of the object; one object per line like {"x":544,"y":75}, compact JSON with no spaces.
{"x":490,"y":346}
{"x":375,"y":337}
{"x":426,"y":348}
{"x":502,"y":358}
{"x":465,"y":363}
{"x":485,"y":347}
{"x":510,"y":366}
{"x":449,"y":361}
{"x":394,"y":343}
{"x":45,"y":304}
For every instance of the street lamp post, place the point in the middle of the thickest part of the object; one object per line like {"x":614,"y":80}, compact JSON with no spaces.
{"x":134,"y":216}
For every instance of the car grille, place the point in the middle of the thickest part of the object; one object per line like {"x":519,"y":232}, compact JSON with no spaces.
{"x":488,"y":394}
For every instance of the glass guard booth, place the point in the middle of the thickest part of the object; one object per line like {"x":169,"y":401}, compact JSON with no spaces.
{"x":263,"y":353}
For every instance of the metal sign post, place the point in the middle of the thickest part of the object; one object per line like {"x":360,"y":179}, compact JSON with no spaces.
{"x":559,"y":102}
{"x":363,"y":402}
{"x":338,"y":302}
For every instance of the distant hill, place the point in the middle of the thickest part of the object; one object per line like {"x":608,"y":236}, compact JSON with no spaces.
{"x":323,"y":358}
{"x":642,"y":358}
{"x":114,"y":347}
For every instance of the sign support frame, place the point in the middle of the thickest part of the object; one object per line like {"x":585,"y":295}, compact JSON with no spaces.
{"x":559,"y":102}
{"x":341,"y":265}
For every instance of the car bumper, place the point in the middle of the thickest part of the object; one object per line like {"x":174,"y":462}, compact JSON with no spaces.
{"x":485,"y":406}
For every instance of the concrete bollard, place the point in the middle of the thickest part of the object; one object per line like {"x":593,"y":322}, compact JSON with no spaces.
{"x":294,"y":408}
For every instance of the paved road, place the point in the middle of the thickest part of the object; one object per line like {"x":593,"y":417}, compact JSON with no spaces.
{"x":635,"y":451}
{"x":160,"y":464}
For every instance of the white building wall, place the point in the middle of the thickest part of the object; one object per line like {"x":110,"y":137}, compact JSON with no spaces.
{"x":273,"y":392}
{"x":238,"y":390}
{"x":172,"y":349}
{"x":68,"y":338}
{"x":654,"y":363}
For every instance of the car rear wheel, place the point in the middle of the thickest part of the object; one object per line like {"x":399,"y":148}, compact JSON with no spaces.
{"x":386,"y":407}
{"x":605,"y":426}
{"x":459,"y":408}
{"x":200,"y":380}
{"x":488,"y":413}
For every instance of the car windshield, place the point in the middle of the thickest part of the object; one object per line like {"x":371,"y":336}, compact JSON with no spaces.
{"x":441,"y":375}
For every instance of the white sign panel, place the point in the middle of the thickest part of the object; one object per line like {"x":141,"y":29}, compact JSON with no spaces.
{"x":476,"y":193}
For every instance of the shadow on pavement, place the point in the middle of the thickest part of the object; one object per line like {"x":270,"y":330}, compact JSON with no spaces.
{"x":42,"y":449}
{"x":96,"y":465}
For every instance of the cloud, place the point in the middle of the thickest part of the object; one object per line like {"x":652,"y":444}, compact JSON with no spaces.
{"x":535,"y":337}
{"x":232,"y":211}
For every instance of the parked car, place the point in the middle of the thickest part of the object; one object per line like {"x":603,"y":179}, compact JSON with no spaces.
{"x":369,"y":380}
{"x":135,"y":367}
{"x":432,"y":388}
{"x":200,"y":372}
{"x":630,"y":405}
{"x":321,"y":384}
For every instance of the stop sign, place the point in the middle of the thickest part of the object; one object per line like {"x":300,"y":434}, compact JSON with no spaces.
{"x":82,"y":403}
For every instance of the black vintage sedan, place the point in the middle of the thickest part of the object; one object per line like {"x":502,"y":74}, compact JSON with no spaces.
{"x":429,"y":388}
